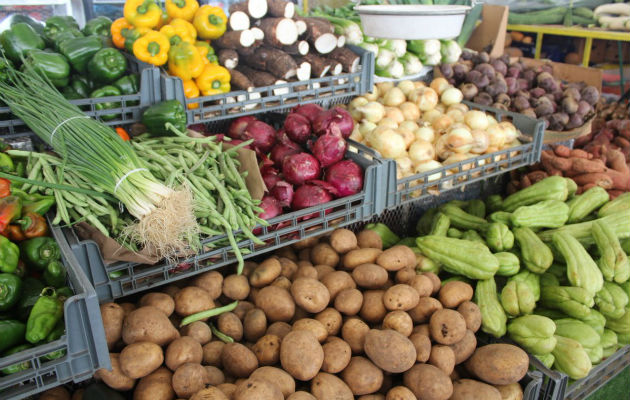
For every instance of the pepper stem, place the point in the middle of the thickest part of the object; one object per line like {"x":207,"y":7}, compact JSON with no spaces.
{"x":153,"y":48}
{"x":175,"y":40}
{"x":216,"y":84}
{"x":179,"y":3}
{"x":215,"y":19}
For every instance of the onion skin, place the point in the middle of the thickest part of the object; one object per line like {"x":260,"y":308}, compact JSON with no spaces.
{"x":329,"y":148}
{"x":263,"y":134}
{"x":309,"y":196}
{"x":300,"y":168}
{"x":238,"y":126}
{"x":297,"y":128}
{"x":337,"y":117}
{"x":283,"y":149}
{"x":310,"y":111}
{"x":270,"y":177}
{"x":283,"y":192}
{"x":346,"y":176}
{"x":271,"y":207}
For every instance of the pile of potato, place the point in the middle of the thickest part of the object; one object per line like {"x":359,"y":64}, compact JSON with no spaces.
{"x":330,"y":319}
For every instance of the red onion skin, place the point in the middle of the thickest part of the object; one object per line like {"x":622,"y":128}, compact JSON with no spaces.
{"x":329,"y":149}
{"x":271,"y":207}
{"x":283,"y":192}
{"x":309,"y":196}
{"x":237,"y":127}
{"x":336,"y":117}
{"x":346,"y":176}
{"x":270,"y":177}
{"x":297,"y":127}
{"x":263,"y":134}
{"x":300,"y":168}
{"x":310,"y":111}
{"x":284,"y":147}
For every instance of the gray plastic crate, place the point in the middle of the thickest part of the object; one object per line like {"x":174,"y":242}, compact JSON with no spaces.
{"x":599,"y":375}
{"x":84,"y":341}
{"x":283,"y":230}
{"x":340,"y":88}
{"x":126,"y":114}
{"x":457,"y":175}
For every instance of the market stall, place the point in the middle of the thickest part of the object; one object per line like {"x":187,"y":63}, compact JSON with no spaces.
{"x":260,"y":201}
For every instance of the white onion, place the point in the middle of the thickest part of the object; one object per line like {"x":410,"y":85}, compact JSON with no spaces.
{"x":441,"y":148}
{"x":406,"y":86}
{"x":395,"y":114}
{"x":429,"y":166}
{"x":421,"y":151}
{"x":491,"y":120}
{"x":476,"y":119}
{"x":409,"y":125}
{"x":388,"y":122}
{"x":410,"y":111}
{"x":459,"y":106}
{"x":390,"y":144}
{"x":440,"y":85}
{"x":383,"y":87}
{"x":373,"y":95}
{"x":425,"y":133}
{"x":407,"y":136}
{"x":356,"y":134}
{"x":457,"y":157}
{"x":451,"y":96}
{"x":404,"y":165}
{"x":394,"y":97}
{"x":480,"y":141}
{"x":427,"y":99}
{"x":441,"y":108}
{"x":366,"y":127}
{"x":456,"y":115}
{"x":510,"y":131}
{"x":442,"y":123}
{"x":459,"y":140}
{"x":431,"y":115}
{"x":496,"y":136}
{"x":419,"y":84}
{"x":357,"y":102}
{"x":373,"y":111}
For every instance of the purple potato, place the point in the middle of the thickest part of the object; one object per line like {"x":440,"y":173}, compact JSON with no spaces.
{"x":572,"y":92}
{"x":575,"y":121}
{"x":520,"y":103}
{"x":569,"y":105}
{"x":537,"y":92}
{"x":590,"y":94}
{"x":499,"y":66}
{"x":483,"y":98}
{"x":504,"y":99}
{"x":512,"y":85}
{"x":486,"y":69}
{"x":469,"y":90}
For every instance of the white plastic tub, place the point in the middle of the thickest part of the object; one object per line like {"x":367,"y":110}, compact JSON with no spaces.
{"x":412,"y":21}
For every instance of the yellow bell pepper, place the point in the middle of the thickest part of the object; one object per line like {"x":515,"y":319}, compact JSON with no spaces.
{"x":210,"y":22}
{"x":176,"y":34}
{"x":184,"y":61}
{"x":164,"y":19}
{"x":142,"y":13}
{"x":191,"y":91}
{"x":213,"y":80}
{"x":184,"y":9}
{"x":207,"y":53}
{"x":152,"y":48}
{"x":178,"y":22}
{"x":116,"y":29}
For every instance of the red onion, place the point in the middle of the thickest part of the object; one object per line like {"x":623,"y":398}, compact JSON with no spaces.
{"x":301,"y":167}
{"x":283,"y":192}
{"x":270,"y":177}
{"x":264,"y":135}
{"x":346,"y":176}
{"x":201,"y":128}
{"x":310,"y":111}
{"x":308,"y":196}
{"x":336,"y":117}
{"x":329,"y":149}
{"x":237,"y":127}
{"x":284,"y":148}
{"x":271,"y":207}
{"x":325,"y":185}
{"x":297,"y":127}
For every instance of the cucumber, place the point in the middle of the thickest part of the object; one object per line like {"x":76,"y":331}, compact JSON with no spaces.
{"x":550,"y":16}
{"x":583,"y":12}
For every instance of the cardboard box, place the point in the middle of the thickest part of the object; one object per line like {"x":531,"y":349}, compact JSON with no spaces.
{"x":489,"y":35}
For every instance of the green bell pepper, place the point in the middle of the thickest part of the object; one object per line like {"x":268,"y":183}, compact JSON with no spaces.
{"x":46,"y":312}
{"x":78,"y":88}
{"x":57,"y":333}
{"x":36,"y":25}
{"x":55,"y":274}
{"x":80,"y":50}
{"x":11,"y":333}
{"x":22,"y":366}
{"x":156,"y":116}
{"x":128,"y":84}
{"x":54,"y":66}
{"x":107,"y":65}
{"x":38,"y":252}
{"x":19,"y":38}
{"x":56,"y":25}
{"x":6,"y":163}
{"x":40,"y":206}
{"x":10,"y":290}
{"x":31,"y":289}
{"x":9,"y":255}
{"x":98,"y":26}
{"x":106,"y":91}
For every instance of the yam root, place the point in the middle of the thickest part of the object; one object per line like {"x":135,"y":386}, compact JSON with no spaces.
{"x":228,"y":58}
{"x":299,"y":48}
{"x":254,"y":8}
{"x":319,"y":65}
{"x":274,"y":61}
{"x":320,"y":34}
{"x":239,"y":21}
{"x":281,"y":8}
{"x":258,"y":78}
{"x":239,"y":81}
{"x":303,"y":71}
{"x":348,"y":59}
{"x":279,"y":31}
{"x":235,"y":39}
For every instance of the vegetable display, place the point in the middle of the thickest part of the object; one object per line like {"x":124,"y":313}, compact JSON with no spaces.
{"x":613,"y":16}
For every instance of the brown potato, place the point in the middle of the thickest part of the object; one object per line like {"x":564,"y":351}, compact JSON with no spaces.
{"x":282,"y":282}
{"x":140,"y":359}
{"x":171,"y":289}
{"x":399,"y":321}
{"x":469,"y":389}
{"x":211,"y":282}
{"x":512,"y":391}
{"x":181,"y":351}
{"x":422,"y":329}
{"x":337,"y":354}
{"x":305,"y":271}
{"x":354,"y":258}
{"x":188,"y":379}
{"x":370,"y":276}
{"x":447,"y":326}
{"x":313,"y":326}
{"x":465,"y":347}
{"x":353,"y":332}
{"x":267,"y":350}
{"x":209,"y":393}
{"x":231,"y":325}
{"x":155,"y":386}
{"x":214,"y":376}
{"x":337,"y":281}
{"x":243,"y":308}
{"x":390,"y":350}
{"x":212,"y":353}
{"x":349,"y":301}
{"x":442,"y":357}
{"x":405,"y":275}
{"x":115,"y":378}
{"x":472,"y":315}
{"x":301,"y":355}
{"x":57,"y":393}
{"x":331,"y":319}
{"x":343,"y":240}
{"x":301,"y":396}
{"x":278,"y":377}
{"x":323,"y":253}
{"x":437,"y":283}
{"x":396,"y":258}
{"x":422,"y":284}
{"x":373,"y":310}
{"x":254,"y":324}
{"x":422,"y":344}
{"x":454,"y":293}
{"x":428,"y":382}
{"x":323,"y":270}
{"x":304,"y":255}
{"x":228,"y":389}
{"x":198,"y":330}
{"x":266,"y":272}
{"x":306,"y":243}
{"x":369,"y":239}
{"x":362,"y":376}
{"x":304,"y":263}
{"x":279,"y":329}
{"x":400,"y":393}
{"x":310,"y":294}
{"x":127,"y":308}
{"x":236,"y":287}
{"x":289,"y":267}
{"x":249,"y":267}
{"x":191,"y":300}
{"x":113,"y":316}
{"x":238,"y":360}
{"x":277,"y":303}
{"x":327,"y":387}
{"x":400,"y":297}
{"x":498,"y":364}
{"x":286,"y":252}
{"x":425,"y":308}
